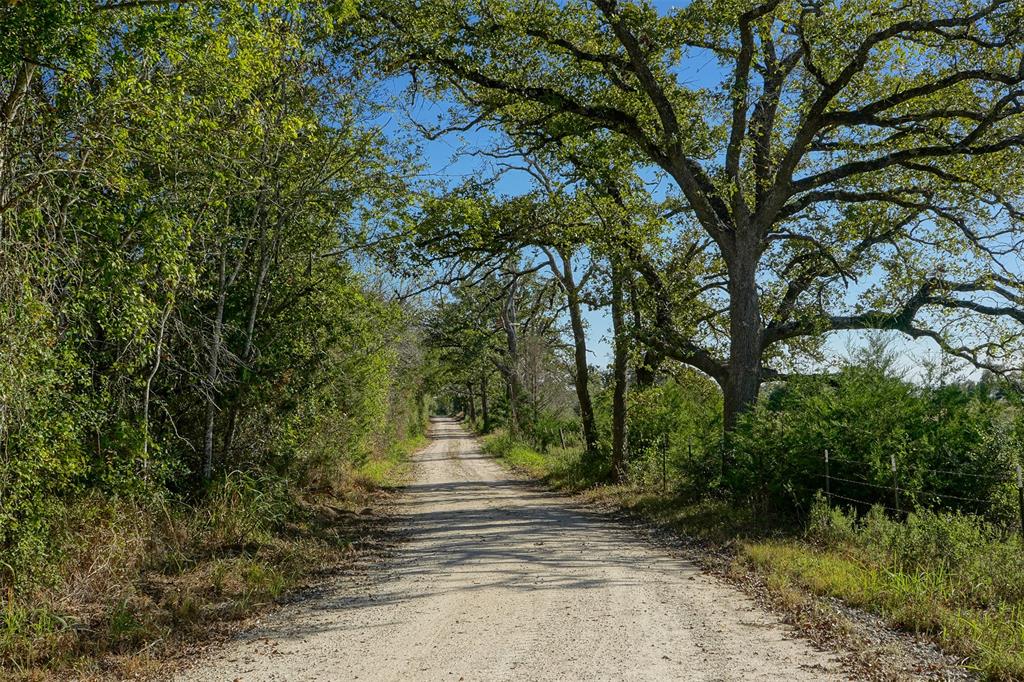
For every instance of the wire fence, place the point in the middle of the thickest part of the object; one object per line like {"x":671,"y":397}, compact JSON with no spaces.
{"x":892,"y":496}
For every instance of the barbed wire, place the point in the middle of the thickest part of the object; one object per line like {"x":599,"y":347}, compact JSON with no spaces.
{"x":871,"y":485}
{"x":911,"y":494}
{"x":850,"y":461}
{"x":955,"y":497}
{"x":992,"y":477}
{"x":948,"y":472}
{"x":866,"y":503}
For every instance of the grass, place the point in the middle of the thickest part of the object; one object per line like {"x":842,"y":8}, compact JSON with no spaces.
{"x":141,"y":580}
{"x":383,"y":472}
{"x":707,"y":518}
{"x":950,"y":577}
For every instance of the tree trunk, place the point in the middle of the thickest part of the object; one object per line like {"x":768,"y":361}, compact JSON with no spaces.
{"x":618,"y":472}
{"x":250,"y":330}
{"x":647,"y":369}
{"x":742,"y":380}
{"x":581,"y":376}
{"x":511,"y":366}
{"x":483,"y":404}
{"x":472,"y":403}
{"x":8,"y":112}
{"x":213,"y":369}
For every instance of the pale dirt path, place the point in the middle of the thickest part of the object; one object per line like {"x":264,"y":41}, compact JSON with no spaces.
{"x":499,"y":581}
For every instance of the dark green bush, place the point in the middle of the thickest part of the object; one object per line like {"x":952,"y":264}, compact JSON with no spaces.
{"x":948,"y":443}
{"x":679,"y":419}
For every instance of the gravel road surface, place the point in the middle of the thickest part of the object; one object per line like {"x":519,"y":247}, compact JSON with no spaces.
{"x":498,"y":580}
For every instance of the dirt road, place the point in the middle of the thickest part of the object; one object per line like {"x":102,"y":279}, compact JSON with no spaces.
{"x":499,"y":581}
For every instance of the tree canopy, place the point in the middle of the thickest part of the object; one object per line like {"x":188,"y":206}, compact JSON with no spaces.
{"x":838,"y":149}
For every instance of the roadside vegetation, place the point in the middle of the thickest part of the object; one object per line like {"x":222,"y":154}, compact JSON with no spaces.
{"x":136,"y":583}
{"x":200,"y":393}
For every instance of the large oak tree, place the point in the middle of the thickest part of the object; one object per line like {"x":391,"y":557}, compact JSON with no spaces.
{"x":821,"y":151}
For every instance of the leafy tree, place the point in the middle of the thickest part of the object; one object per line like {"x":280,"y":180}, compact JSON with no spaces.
{"x":845,"y":143}
{"x":178,"y":185}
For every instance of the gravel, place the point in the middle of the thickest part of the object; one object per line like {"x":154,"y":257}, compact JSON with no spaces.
{"x":497,"y":579}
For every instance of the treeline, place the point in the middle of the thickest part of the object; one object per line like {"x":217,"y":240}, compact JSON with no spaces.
{"x":180,"y":187}
{"x":736,"y":186}
{"x":934,"y":439}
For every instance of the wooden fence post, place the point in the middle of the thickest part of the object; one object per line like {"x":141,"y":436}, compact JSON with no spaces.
{"x":828,"y":480}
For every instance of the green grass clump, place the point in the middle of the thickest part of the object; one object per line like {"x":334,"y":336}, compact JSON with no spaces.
{"x":392,"y":468}
{"x":951,"y":576}
{"x":562,"y":468}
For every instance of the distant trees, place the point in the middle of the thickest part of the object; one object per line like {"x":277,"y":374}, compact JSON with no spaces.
{"x":843,"y":148}
{"x":563,"y":234}
{"x":505,"y":324}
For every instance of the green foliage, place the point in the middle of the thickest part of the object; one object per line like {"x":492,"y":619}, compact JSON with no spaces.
{"x":393,"y":468}
{"x":946,"y":574}
{"x":182,"y":332}
{"x":546,"y":430}
{"x":678,"y":421}
{"x":949,"y":443}
{"x":827,"y":147}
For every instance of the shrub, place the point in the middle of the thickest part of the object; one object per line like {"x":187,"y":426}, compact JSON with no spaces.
{"x":948,"y":444}
{"x":680,"y":419}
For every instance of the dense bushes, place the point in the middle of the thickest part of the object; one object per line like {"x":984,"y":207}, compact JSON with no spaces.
{"x":952,"y":446}
{"x":955,"y":444}
{"x":678,"y":420}
{"x":188,"y":356}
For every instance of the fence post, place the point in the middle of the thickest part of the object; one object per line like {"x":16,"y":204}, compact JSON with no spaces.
{"x":561,"y":437}
{"x":895,"y":483}
{"x":1020,"y":497}
{"x":828,"y":480}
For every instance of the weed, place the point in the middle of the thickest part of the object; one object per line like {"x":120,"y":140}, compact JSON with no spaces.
{"x":138,"y":577}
